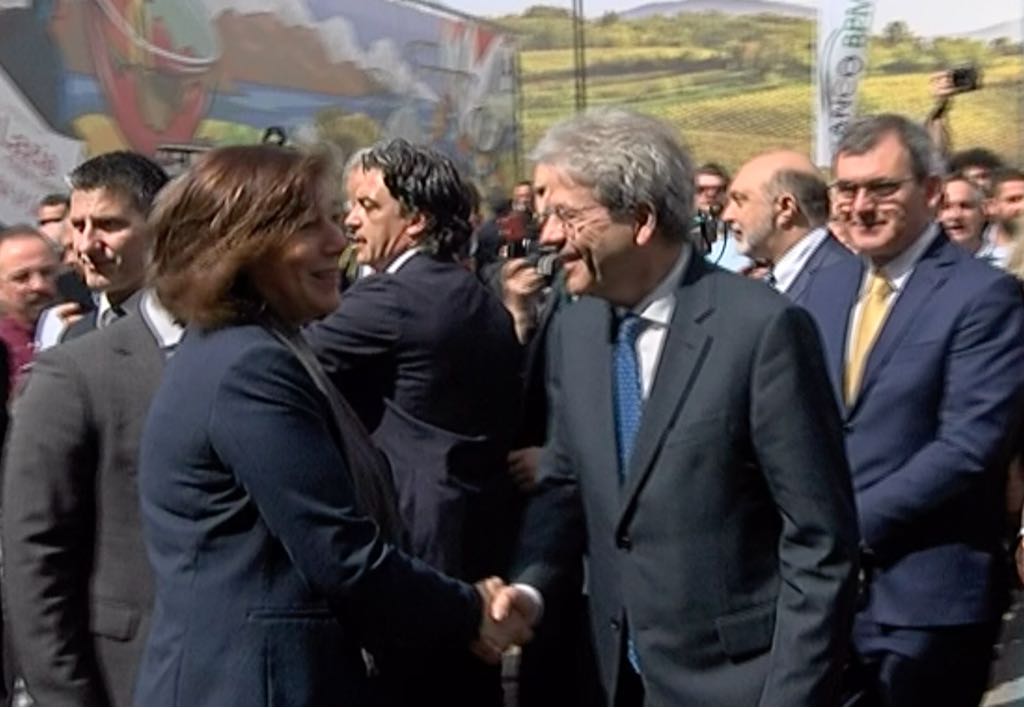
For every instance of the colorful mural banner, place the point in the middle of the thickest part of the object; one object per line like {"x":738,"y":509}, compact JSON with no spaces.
{"x":175,"y":77}
{"x":844,"y":27}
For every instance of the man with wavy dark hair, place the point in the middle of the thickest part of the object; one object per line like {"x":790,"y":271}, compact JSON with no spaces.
{"x":428,"y":357}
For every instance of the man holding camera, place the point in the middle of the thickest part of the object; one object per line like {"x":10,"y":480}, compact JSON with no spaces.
{"x":945,"y":85}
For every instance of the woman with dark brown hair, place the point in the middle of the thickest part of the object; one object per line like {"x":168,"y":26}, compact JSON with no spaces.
{"x":268,"y":513}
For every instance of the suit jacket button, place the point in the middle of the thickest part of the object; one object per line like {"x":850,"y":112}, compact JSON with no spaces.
{"x":624,"y":542}
{"x":847,"y":427}
{"x":615,"y":625}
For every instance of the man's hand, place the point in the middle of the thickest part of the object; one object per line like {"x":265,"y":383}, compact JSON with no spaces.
{"x":942,"y":86}
{"x":497,"y":635}
{"x":512,"y":600}
{"x":521,"y":285}
{"x":523,"y":465}
{"x":68,"y":313}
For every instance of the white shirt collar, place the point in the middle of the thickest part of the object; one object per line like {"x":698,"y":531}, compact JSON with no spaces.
{"x":899,"y":269}
{"x":793,"y":261}
{"x":103,"y":306}
{"x":660,"y":303}
{"x":161,"y":322}
{"x":404,"y":258}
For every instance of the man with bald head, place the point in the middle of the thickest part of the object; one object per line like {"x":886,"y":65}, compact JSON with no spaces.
{"x":778,"y":209}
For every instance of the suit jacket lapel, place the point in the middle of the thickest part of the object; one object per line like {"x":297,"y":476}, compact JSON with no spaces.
{"x":803,"y":278}
{"x":588,"y":373}
{"x":835,"y":306}
{"x":930,"y":272}
{"x":682,"y":355}
{"x":137,"y":347}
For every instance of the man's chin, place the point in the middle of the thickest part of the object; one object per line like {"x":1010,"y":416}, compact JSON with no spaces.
{"x":96,"y":282}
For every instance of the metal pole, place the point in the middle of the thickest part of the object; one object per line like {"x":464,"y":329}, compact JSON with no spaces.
{"x":579,"y":55}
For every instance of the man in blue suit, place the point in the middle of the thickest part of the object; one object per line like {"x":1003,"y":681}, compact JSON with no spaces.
{"x":926,"y":352}
{"x":777,"y":210}
{"x":428,"y":357}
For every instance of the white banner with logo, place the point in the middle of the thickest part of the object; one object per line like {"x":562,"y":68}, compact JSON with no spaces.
{"x":844,"y":27}
{"x":33,"y":158}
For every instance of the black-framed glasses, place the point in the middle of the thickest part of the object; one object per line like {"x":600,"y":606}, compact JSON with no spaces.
{"x":875,"y":189}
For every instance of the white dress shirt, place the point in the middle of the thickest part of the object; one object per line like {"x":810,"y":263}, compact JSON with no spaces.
{"x":656,"y":311}
{"x":161,"y":323}
{"x":793,"y":261}
{"x":897,"y":272}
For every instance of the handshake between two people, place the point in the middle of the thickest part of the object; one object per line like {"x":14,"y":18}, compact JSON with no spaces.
{"x":509,"y":615}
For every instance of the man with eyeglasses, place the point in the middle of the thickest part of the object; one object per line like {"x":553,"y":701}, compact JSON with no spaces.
{"x":925,"y":346}
{"x":695,"y":453}
{"x":711,"y":186}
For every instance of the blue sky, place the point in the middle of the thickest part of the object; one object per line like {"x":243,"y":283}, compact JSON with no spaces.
{"x":924,"y":17}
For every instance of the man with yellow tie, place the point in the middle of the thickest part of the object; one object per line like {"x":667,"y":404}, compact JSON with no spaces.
{"x":926,"y":353}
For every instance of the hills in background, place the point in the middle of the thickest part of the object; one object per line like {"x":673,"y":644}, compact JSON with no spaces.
{"x":728,"y":7}
{"x":1011,"y":29}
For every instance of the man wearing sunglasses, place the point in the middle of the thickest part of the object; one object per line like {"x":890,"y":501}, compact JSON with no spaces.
{"x":925,"y":346}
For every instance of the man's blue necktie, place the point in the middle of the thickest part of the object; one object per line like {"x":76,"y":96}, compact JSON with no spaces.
{"x":629,"y":406}
{"x":629,"y":402}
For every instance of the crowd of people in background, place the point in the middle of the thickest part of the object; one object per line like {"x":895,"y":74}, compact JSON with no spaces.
{"x":281,"y":432}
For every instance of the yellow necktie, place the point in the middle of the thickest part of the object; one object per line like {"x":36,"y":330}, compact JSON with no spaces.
{"x":872,"y":315}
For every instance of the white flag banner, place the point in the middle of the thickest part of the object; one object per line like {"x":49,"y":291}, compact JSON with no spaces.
{"x":33,"y":158}
{"x":844,"y":27}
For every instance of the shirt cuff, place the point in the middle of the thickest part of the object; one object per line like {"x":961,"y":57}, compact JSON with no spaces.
{"x":534,"y":595}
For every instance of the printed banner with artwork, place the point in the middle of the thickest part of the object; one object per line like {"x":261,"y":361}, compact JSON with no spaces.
{"x":170,"y":78}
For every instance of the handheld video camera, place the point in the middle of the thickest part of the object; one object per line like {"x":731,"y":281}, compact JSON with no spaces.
{"x":965,"y":78}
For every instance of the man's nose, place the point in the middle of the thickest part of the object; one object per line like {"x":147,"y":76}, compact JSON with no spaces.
{"x":551,"y":231}
{"x":862,"y":202}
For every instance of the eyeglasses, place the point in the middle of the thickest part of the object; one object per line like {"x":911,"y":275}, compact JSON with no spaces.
{"x":875,"y":189}
{"x":567,"y":217}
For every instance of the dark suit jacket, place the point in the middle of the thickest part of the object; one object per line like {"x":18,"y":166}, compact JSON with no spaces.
{"x":927,"y":435}
{"x":77,"y":584}
{"x":269,"y":580}
{"x":729,"y":552}
{"x":828,"y":252}
{"x":429,"y":359}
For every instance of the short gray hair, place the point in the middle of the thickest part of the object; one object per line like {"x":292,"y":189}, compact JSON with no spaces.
{"x":865,"y":133}
{"x":629,"y":160}
{"x":808,"y":189}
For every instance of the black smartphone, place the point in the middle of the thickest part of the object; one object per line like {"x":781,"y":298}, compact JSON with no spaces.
{"x":71,"y":288}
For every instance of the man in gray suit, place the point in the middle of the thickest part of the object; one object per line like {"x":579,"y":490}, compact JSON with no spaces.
{"x":77,"y":584}
{"x":777,"y":209}
{"x":695,"y":452}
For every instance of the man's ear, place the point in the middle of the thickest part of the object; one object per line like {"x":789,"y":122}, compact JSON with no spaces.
{"x":933,"y":191}
{"x":645,"y":223}
{"x":788,"y":211}
{"x":417,"y":226}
